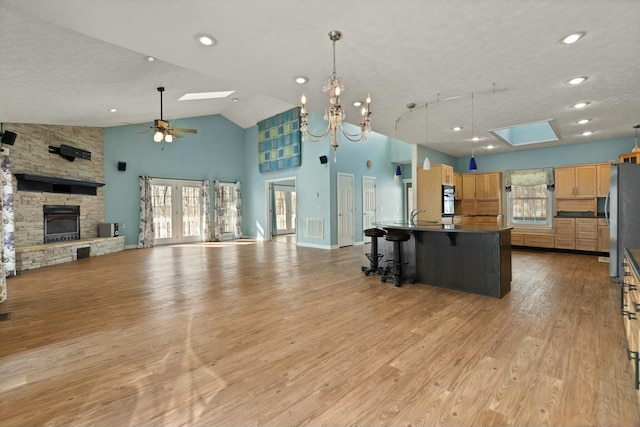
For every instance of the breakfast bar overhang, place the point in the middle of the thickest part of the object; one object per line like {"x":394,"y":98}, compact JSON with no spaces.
{"x":469,"y":258}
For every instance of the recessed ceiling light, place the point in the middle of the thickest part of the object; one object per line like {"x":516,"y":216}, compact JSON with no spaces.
{"x":581,"y":105}
{"x":475,"y":138}
{"x":357,"y":103}
{"x":572,"y":38}
{"x":205,"y":95}
{"x":206,"y":40}
{"x":576,"y":81}
{"x":457,"y":128}
{"x":301,"y":80}
{"x":583,"y":121}
{"x":490,"y":147}
{"x":113,"y":110}
{"x":235,"y":99}
{"x":587,"y":133}
{"x":149,"y":58}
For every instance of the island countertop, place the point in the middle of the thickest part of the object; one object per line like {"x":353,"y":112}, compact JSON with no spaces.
{"x":429,"y":226}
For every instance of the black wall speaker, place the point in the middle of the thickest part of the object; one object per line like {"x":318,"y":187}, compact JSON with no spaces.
{"x":323,"y":160}
{"x":8,"y":138}
{"x":122,"y":166}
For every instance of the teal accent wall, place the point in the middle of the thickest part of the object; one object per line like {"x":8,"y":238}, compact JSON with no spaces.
{"x":587,"y":152}
{"x":317,"y":183}
{"x":224,"y":151}
{"x":436,"y":158}
{"x":216,"y":152}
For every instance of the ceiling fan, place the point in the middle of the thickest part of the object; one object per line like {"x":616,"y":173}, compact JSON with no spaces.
{"x":161,"y":128}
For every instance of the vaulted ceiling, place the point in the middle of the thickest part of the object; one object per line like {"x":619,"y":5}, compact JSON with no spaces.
{"x":70,"y":61}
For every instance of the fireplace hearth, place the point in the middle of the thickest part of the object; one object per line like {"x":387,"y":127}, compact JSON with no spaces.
{"x":61,"y":223}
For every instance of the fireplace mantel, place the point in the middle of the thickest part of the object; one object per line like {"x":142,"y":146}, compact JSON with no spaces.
{"x":47,"y":184}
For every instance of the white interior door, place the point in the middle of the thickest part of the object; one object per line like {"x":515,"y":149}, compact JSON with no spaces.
{"x":368,"y":204}
{"x":345,"y":210}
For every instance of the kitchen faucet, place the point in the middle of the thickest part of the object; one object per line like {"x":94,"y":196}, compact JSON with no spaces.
{"x":414,"y":214}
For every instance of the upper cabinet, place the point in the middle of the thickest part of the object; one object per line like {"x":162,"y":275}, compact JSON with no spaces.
{"x":446,"y":173}
{"x":630,"y":157}
{"x":457,"y":182}
{"x":468,"y":186}
{"x":576,"y":181}
{"x":603,"y":178}
{"x":488,"y":186}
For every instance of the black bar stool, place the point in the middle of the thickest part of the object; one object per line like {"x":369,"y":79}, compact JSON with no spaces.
{"x":373,"y":256}
{"x":397,"y":237}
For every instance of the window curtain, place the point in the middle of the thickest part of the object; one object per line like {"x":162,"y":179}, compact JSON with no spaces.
{"x":145,"y":238}
{"x":8,"y":223}
{"x":4,"y":207}
{"x":206,"y":211}
{"x":529,"y":178}
{"x":217,"y":207}
{"x":237,"y":200}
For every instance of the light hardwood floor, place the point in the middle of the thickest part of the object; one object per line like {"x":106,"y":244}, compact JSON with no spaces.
{"x":274,"y":334}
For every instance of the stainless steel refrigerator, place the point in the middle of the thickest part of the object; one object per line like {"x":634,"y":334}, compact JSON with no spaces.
{"x":624,"y":214}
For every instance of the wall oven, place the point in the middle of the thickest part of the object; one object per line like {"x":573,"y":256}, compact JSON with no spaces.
{"x":448,"y":200}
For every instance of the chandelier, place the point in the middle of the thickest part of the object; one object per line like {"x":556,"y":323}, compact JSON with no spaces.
{"x":334,"y":114}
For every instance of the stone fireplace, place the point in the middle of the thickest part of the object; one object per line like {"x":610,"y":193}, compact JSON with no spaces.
{"x":31,"y":155}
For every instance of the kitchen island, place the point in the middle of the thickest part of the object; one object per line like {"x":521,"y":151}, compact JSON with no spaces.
{"x":469,"y":258}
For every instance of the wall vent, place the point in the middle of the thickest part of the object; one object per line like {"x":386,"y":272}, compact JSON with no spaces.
{"x":315,"y":228}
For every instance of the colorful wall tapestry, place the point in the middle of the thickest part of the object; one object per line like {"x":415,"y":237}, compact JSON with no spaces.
{"x":279,"y":142}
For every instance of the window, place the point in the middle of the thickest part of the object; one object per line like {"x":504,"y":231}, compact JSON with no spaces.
{"x":529,"y":200}
{"x":529,"y":205}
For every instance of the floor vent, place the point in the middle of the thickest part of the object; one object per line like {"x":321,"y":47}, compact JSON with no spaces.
{"x":315,"y":228}
{"x":5,"y":316}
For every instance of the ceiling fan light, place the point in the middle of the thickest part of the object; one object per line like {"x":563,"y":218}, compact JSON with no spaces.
{"x":157,"y":137}
{"x":168,"y":138}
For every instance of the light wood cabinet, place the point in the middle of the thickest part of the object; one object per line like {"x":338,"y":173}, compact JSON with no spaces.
{"x":468,"y":186}
{"x":565,"y":233}
{"x":587,"y":234}
{"x":488,"y":186}
{"x":446,"y":173}
{"x":539,"y":240}
{"x":603,"y":171}
{"x":630,"y":157}
{"x":575,"y":181}
{"x":457,"y":182}
{"x":429,"y":190}
{"x":464,"y":220}
{"x":603,"y":236}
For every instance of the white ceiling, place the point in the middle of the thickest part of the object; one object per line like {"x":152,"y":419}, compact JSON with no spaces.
{"x":69,"y":61}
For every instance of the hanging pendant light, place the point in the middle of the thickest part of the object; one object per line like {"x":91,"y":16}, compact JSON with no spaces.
{"x":398,"y":174}
{"x":426,"y":165}
{"x":473,"y":166}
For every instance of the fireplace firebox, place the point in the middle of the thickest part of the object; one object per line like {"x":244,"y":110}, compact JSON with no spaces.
{"x":61,"y":223}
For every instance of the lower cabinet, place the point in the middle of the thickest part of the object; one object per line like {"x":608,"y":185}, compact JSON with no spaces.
{"x":565,"y":233}
{"x":587,"y":234}
{"x":630,"y":309}
{"x":604,"y":238}
{"x":534,"y":240}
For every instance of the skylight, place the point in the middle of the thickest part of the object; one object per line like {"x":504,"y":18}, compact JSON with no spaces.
{"x":205,"y":95}
{"x":531,"y":133}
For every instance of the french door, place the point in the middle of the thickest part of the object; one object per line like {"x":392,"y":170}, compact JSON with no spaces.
{"x":177,"y":211}
{"x":285,"y":204}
